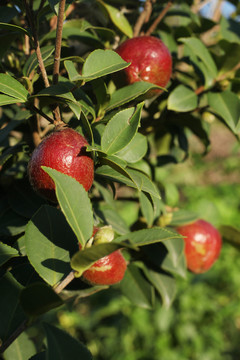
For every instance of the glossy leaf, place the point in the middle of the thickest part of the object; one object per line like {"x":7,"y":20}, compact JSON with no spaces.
{"x":144,"y":183}
{"x":182,"y":217}
{"x":129,"y":93}
{"x":39,"y":298}
{"x":49,"y":242}
{"x":152,"y":236}
{"x":39,"y":356}
{"x":6,"y":253}
{"x":115,"y":172}
{"x":121,"y":129}
{"x":12,"y":87}
{"x":85,"y":258}
{"x":75,"y":204}
{"x":6,"y":100}
{"x":231,"y":235}
{"x":109,"y":215}
{"x":164,"y":284}
{"x":135,"y":150}
{"x":227,"y":105}
{"x":22,"y":348}
{"x":146,"y":208}
{"x":62,"y":346}
{"x":15,"y":28}
{"x":11,"y":312}
{"x":118,"y":18}
{"x":98,"y":63}
{"x":136,"y":288}
{"x":32,"y":62}
{"x":182,"y":99}
{"x":203,"y":58}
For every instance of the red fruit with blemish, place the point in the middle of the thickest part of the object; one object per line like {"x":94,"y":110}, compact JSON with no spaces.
{"x":63,"y":150}
{"x":108,"y":270}
{"x":150,"y":60}
{"x":202,"y":245}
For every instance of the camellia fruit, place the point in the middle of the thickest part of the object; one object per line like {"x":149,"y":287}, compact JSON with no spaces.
{"x":110,"y":269}
{"x":150,"y":61}
{"x":202,"y":245}
{"x":63,"y":150}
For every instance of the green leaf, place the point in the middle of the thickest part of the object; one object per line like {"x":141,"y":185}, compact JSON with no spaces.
{"x":75,"y":204}
{"x":49,"y":244}
{"x":182,"y":217}
{"x":6,"y":253}
{"x":11,"y":313}
{"x":118,"y":18}
{"x":144,"y":183}
{"x":21,"y":349}
{"x":231,"y":235}
{"x":12,"y":87}
{"x":109,"y":215}
{"x":6,"y":100}
{"x":146,"y":207}
{"x":227,"y":105}
{"x":152,"y":236}
{"x":32,"y":61}
{"x":129,"y":93}
{"x":121,"y":129}
{"x":85,"y":258}
{"x":203,"y":58}
{"x":38,"y":298}
{"x":136,"y":288}
{"x":15,"y":28}
{"x":39,"y":356}
{"x":7,"y":13}
{"x":98,"y":63}
{"x":11,"y":224}
{"x":164,"y":284}
{"x":135,"y":150}
{"x":182,"y":99}
{"x":61,"y":346}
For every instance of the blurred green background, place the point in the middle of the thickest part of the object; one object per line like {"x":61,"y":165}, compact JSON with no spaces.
{"x":204,"y":320}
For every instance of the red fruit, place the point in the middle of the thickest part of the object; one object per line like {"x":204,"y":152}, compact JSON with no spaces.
{"x":108,"y":270}
{"x":150,"y":60}
{"x":62,"y":150}
{"x":202,"y":245}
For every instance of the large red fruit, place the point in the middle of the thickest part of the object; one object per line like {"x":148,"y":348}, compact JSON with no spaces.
{"x":111,"y":268}
{"x":150,"y":60}
{"x":202,"y":245}
{"x":62,"y":150}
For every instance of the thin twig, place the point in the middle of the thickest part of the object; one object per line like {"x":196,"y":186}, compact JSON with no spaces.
{"x":221,"y":77}
{"x":143,"y":17}
{"x":57,"y":56}
{"x":22,"y":327}
{"x":65,"y":282}
{"x":34,"y":123}
{"x":58,"y":42}
{"x":40,"y":112}
{"x":159,"y":18}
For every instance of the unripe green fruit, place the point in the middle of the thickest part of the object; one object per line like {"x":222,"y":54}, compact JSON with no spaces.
{"x":63,"y":150}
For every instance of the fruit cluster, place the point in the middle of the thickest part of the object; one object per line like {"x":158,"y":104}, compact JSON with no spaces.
{"x":65,"y":151}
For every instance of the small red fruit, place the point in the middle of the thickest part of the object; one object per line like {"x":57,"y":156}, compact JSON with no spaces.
{"x":202,"y":245}
{"x":108,"y":270}
{"x":150,"y":60}
{"x":62,"y":150}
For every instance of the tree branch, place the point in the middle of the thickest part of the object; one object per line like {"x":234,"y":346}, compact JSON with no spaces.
{"x":159,"y":18}
{"x":143,"y":17}
{"x":22,"y":327}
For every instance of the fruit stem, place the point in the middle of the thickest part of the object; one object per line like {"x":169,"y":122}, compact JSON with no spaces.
{"x":65,"y":282}
{"x":159,"y":18}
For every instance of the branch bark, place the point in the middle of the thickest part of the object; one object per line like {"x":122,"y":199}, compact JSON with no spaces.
{"x":159,"y":18}
{"x":143,"y":17}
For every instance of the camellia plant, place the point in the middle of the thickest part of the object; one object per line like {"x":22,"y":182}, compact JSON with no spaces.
{"x":96,"y":98}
